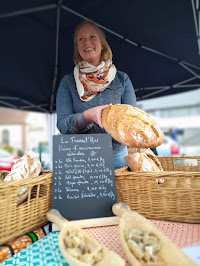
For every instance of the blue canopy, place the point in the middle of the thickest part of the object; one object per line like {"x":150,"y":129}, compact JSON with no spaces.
{"x":155,"y":42}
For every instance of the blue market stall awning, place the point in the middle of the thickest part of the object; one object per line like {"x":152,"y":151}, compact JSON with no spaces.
{"x":157,"y":43}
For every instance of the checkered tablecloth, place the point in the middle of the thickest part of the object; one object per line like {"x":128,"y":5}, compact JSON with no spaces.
{"x":46,"y":251}
{"x":182,"y":234}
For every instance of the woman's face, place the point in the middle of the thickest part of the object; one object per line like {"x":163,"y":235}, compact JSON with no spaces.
{"x":89,"y":44}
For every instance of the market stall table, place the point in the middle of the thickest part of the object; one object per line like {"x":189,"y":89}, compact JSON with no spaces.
{"x":46,"y":251}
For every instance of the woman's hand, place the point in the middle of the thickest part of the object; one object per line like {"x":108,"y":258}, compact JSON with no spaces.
{"x":94,"y":114}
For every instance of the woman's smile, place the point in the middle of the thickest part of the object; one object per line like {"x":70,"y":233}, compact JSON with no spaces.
{"x":88,"y":49}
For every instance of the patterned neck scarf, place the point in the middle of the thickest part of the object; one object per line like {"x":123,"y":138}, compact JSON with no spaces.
{"x":93,"y":79}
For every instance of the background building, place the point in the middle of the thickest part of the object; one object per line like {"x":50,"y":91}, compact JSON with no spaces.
{"x":13,"y":129}
{"x":20,"y":131}
{"x":181,"y":113}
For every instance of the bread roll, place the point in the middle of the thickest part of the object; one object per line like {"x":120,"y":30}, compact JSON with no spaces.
{"x":25,"y":167}
{"x":144,"y":161}
{"x":131,"y":126}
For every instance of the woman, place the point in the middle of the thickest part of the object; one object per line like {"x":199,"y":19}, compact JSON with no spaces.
{"x":95,"y":84}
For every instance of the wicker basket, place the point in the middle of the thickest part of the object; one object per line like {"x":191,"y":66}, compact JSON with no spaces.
{"x":177,"y":199}
{"x":30,"y":215}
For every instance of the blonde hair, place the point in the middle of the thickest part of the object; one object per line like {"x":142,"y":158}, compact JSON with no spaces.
{"x":106,"y":53}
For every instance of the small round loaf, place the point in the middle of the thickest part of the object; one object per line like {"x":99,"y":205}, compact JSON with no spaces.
{"x":132,"y":126}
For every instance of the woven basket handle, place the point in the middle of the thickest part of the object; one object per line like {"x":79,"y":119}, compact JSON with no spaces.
{"x":54,"y":216}
{"x":120,"y":208}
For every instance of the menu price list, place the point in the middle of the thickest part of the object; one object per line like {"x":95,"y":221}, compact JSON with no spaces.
{"x":83,"y":170}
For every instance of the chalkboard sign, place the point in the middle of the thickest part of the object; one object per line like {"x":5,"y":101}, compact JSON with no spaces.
{"x":83,"y":176}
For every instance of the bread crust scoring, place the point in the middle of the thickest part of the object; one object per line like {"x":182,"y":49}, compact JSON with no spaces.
{"x":132,"y":126}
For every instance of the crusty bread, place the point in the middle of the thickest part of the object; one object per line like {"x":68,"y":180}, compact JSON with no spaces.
{"x":143,"y":161}
{"x":25,"y":167}
{"x":131,"y":126}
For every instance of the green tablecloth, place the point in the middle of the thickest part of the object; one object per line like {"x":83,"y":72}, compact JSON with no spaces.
{"x":44,"y":252}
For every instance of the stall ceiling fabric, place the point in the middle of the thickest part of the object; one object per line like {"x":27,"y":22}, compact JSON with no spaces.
{"x":155,"y":42}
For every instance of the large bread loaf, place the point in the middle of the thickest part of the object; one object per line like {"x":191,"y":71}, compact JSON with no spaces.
{"x":132,"y":126}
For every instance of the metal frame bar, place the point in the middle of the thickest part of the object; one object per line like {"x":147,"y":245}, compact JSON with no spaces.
{"x":197,"y":4}
{"x":153,"y":93}
{"x":56,"y":56}
{"x":189,"y":70}
{"x":8,"y":104}
{"x":185,"y":81}
{"x":196,"y":14}
{"x":27,"y":11}
{"x":188,"y":86}
{"x":160,"y":89}
{"x":163,"y":88}
{"x":28,"y":104}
